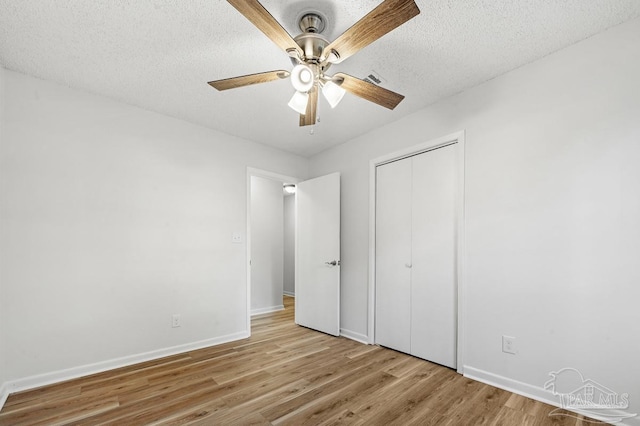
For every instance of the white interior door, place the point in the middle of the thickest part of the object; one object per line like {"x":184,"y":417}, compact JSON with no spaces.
{"x":393,"y":255}
{"x":433,"y":295}
{"x":317,"y":267}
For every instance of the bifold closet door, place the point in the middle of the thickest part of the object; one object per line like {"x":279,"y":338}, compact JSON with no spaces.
{"x":393,"y":254}
{"x":416,"y":255}
{"x":433,"y":247}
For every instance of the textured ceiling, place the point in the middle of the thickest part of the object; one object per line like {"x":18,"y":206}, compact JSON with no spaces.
{"x":159,"y":54}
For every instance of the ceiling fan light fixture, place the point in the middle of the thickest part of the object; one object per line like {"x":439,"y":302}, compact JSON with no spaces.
{"x":299,"y":102}
{"x":289,"y":188}
{"x":333,"y":93}
{"x":302,"y":78}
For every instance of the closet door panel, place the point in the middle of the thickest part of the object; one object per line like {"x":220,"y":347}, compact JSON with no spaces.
{"x":393,"y":255}
{"x":433,"y":295}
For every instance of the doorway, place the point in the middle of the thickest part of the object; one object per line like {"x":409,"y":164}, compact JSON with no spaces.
{"x":270,"y":237}
{"x":316,"y":249}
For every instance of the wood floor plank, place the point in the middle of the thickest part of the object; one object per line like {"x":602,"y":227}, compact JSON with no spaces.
{"x":328,"y":381}
{"x":481,"y":408}
{"x":235,"y":414}
{"x":193,"y":414}
{"x":405,"y":399}
{"x":328,"y":404}
{"x":346,"y":417}
{"x":508,"y":417}
{"x":37,"y":397}
{"x":69,"y":389}
{"x":135,"y":411}
{"x":59,"y":414}
{"x":282,"y":374}
{"x":269,"y":360}
{"x":406,"y":366}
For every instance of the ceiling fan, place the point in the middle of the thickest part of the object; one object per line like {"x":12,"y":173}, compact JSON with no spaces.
{"x":312,"y":55}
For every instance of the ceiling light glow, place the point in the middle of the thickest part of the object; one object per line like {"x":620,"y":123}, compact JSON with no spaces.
{"x":302,"y":78}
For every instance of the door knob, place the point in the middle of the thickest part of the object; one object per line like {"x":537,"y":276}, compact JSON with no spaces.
{"x":407,"y":265}
{"x":333,"y":263}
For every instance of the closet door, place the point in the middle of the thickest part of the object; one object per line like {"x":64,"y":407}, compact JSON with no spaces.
{"x":393,"y":255}
{"x":433,"y":285}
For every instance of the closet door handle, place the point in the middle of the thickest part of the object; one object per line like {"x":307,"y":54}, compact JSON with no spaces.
{"x":408,"y":265}
{"x":333,"y":262}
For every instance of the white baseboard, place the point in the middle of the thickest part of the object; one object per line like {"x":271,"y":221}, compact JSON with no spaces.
{"x":289,"y":293}
{"x":362,"y":338}
{"x":4,"y":394}
{"x":85,"y":370}
{"x":267,"y":310}
{"x":538,"y":393}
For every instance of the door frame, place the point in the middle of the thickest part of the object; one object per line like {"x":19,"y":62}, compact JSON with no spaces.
{"x":457,"y":138}
{"x":267,"y":175}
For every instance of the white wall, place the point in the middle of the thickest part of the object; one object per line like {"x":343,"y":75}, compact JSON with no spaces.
{"x":289,"y":244}
{"x":3,"y":366}
{"x":267,"y":245}
{"x":552,"y":214}
{"x":114,"y":218}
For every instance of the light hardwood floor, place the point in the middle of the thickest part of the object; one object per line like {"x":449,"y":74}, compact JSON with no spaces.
{"x":283,"y":374}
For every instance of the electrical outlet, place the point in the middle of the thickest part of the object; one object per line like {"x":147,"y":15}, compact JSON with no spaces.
{"x":236,"y":238}
{"x":175,"y":320}
{"x":509,"y":345}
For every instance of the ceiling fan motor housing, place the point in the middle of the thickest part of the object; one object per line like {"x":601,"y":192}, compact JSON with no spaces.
{"x":312,"y":45}
{"x":312,"y":22}
{"x":310,"y":41}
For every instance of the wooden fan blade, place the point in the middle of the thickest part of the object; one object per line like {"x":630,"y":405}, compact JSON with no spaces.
{"x":389,"y":15}
{"x":246,"y":80}
{"x":368,"y":91}
{"x":265,"y":22}
{"x":309,"y":118}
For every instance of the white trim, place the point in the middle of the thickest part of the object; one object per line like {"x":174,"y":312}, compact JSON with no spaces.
{"x":267,"y":310}
{"x":534,"y":392}
{"x":372,"y":254}
{"x":461,"y":252}
{"x":511,"y":385}
{"x":358,"y":337}
{"x":99,"y":367}
{"x":419,"y":148}
{"x":459,"y":139}
{"x":268,"y":175}
{"x":4,"y":394}
{"x":289,"y":293}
